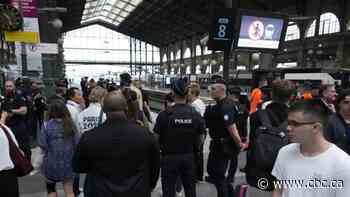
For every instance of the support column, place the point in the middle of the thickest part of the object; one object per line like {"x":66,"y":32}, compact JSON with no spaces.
{"x":52,"y":66}
{"x":135,"y":56}
{"x":140,"y":65}
{"x":192,"y":57}
{"x":161,"y":54}
{"x":168,"y":59}
{"x":181,"y":58}
{"x":341,"y":54}
{"x":130,"y":40}
{"x":146,"y":58}
{"x":194,"y":62}
{"x":153,"y":60}
{"x":226,"y":69}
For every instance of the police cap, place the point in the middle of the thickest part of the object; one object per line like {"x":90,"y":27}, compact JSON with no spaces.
{"x":218,"y":79}
{"x":180,"y":87}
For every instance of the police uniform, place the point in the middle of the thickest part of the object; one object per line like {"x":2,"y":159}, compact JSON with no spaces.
{"x":218,"y":118}
{"x":178,"y":128}
{"x":17,"y":122}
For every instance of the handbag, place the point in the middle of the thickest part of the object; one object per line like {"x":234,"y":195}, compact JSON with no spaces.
{"x":21,"y":163}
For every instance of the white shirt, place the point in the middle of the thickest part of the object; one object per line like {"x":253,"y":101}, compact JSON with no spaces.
{"x":199,"y":105}
{"x":74,"y":110}
{"x":5,"y":159}
{"x":333,"y":164}
{"x":88,"y":118}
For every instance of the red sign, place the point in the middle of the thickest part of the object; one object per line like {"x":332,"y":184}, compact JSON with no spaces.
{"x":28,"y":8}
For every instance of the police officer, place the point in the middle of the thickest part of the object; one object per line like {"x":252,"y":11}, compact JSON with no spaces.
{"x":220,"y":119}
{"x":178,"y":128}
{"x":13,"y":114}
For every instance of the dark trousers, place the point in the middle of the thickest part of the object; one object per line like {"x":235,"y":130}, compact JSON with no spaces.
{"x":8,"y":184}
{"x":217,"y":166}
{"x":232,"y":169}
{"x":174,"y":166}
{"x":22,"y":136}
{"x":199,"y":159}
{"x":76,"y":184}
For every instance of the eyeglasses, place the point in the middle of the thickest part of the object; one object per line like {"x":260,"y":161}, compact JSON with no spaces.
{"x":294,"y":123}
{"x":346,"y":102}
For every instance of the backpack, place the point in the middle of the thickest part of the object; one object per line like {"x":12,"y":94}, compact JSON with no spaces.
{"x":241,"y":119}
{"x":269,"y":140}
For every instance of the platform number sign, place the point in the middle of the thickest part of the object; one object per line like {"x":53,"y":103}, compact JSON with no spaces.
{"x":221,"y":31}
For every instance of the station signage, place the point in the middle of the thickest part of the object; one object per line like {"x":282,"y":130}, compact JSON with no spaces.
{"x":30,"y":33}
{"x":221,"y":32}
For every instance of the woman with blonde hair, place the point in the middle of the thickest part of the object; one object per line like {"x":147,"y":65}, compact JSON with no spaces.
{"x":92,"y":116}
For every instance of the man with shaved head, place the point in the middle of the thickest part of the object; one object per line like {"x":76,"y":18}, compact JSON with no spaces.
{"x":120,"y":157}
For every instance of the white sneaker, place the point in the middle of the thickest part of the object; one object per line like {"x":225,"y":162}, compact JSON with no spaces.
{"x":179,"y":194}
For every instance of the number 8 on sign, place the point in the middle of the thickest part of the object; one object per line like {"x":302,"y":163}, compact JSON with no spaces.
{"x":222,"y":31}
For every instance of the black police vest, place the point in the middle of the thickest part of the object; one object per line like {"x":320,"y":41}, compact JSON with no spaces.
{"x":181,"y":134}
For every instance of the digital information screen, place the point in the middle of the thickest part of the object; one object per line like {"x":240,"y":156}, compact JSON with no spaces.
{"x":260,"y":32}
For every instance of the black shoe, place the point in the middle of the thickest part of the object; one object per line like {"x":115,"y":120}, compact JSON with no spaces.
{"x":199,"y":179}
{"x":230,"y":179}
{"x":209,"y":179}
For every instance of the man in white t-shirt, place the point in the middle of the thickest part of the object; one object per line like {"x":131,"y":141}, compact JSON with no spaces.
{"x":310,"y":166}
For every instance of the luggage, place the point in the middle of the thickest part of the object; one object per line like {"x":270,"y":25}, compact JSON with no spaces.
{"x":241,"y":190}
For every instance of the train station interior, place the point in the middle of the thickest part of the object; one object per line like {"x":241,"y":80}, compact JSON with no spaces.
{"x":160,"y":41}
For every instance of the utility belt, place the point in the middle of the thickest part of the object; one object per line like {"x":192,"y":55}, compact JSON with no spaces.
{"x":226,"y":145}
{"x":176,"y":153}
{"x":221,"y":140}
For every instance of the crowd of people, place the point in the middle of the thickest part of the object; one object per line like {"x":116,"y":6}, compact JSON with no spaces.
{"x":103,"y":130}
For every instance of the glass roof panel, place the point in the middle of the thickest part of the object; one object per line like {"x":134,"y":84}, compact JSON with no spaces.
{"x":123,"y":14}
{"x":107,"y":9}
{"x":112,"y":2}
{"x":129,"y":8}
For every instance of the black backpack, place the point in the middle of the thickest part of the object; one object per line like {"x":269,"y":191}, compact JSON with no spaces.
{"x":269,"y":140}
{"x":241,"y":119}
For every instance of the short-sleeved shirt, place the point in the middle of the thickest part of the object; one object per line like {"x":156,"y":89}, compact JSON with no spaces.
{"x":331,"y":165}
{"x":178,"y":129}
{"x":256,"y":99}
{"x":219,"y":117}
{"x":14,"y":102}
{"x":91,"y":117}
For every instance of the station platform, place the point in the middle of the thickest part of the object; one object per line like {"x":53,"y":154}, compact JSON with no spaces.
{"x":34,"y":185}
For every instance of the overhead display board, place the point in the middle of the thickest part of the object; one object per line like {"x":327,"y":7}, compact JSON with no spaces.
{"x":260,"y":31}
